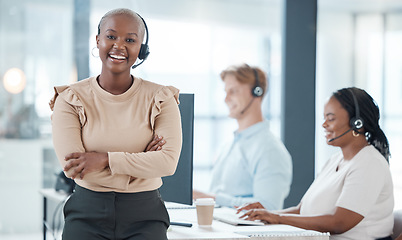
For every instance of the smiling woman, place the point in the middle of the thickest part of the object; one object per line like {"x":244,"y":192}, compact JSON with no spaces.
{"x":119,"y":46}
{"x":352,"y":197}
{"x":102,"y":128}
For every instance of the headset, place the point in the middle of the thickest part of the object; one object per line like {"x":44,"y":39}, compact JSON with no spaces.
{"x":144,"y":50}
{"x":356,"y":122}
{"x":257,"y":90}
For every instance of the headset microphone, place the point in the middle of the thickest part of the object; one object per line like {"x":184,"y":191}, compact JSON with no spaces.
{"x":248,"y":105}
{"x":144,"y":50}
{"x":332,"y":139}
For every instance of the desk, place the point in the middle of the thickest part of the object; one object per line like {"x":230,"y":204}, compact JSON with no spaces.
{"x":50,"y":194}
{"x":218,"y":230}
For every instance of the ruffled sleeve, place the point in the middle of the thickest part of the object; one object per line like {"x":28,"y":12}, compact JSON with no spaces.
{"x":162,"y":95}
{"x":68,"y":120}
{"x":71,"y":98}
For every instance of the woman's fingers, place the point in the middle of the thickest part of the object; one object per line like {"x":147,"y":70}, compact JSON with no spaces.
{"x":249,"y":206}
{"x":156,"y":144}
{"x":71,"y":162}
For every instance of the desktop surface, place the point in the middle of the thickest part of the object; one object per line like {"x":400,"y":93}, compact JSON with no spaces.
{"x":218,"y":230}
{"x":221,"y":230}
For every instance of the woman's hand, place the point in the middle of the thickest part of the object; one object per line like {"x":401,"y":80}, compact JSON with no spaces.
{"x":261,"y":214}
{"x":79,"y":164}
{"x":248,"y":206}
{"x":156,"y":144}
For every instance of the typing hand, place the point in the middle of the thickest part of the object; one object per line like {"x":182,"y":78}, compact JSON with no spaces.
{"x":248,"y":206}
{"x":261,"y":214}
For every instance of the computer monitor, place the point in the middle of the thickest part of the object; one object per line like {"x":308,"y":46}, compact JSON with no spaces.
{"x":178,"y":188}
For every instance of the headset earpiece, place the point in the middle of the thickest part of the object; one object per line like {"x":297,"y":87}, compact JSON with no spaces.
{"x":356,"y":123}
{"x":144,"y":50}
{"x":257,"y":90}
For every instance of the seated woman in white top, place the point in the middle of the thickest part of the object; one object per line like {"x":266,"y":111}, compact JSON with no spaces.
{"x":352,"y":197}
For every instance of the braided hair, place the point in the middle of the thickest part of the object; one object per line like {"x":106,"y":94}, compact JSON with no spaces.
{"x":369,"y":113}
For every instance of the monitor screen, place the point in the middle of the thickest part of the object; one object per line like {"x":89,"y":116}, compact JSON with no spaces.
{"x":178,"y":188}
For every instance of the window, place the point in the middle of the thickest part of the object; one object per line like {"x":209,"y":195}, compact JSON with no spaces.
{"x":370,"y":58}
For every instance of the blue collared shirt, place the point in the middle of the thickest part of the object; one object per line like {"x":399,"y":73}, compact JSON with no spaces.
{"x":255,"y":167}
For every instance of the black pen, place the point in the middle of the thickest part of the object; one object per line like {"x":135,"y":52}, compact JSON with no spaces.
{"x":181,"y":224}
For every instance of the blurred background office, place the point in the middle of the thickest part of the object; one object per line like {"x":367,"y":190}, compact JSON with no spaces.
{"x":44,"y":43}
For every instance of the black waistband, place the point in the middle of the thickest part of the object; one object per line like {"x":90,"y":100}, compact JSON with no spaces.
{"x":136,"y":195}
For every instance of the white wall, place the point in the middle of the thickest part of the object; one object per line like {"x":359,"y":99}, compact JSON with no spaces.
{"x":21,"y":177}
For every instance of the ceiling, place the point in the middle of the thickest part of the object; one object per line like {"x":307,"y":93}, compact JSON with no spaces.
{"x":336,"y":5}
{"x":361,"y":5}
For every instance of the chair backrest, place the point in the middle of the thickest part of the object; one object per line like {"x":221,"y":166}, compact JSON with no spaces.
{"x":397,"y":223}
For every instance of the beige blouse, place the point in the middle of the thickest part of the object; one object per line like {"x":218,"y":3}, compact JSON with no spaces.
{"x":87,"y":118}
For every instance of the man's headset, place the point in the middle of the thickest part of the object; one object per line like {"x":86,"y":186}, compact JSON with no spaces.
{"x":356,"y":122}
{"x":144,"y":50}
{"x":257,"y":90}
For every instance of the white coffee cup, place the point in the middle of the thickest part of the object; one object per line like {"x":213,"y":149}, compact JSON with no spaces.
{"x":205,"y":211}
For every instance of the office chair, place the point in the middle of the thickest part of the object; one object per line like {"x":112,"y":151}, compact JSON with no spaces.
{"x":397,"y":223}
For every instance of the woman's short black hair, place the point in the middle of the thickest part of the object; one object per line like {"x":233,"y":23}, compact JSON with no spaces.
{"x":124,"y":11}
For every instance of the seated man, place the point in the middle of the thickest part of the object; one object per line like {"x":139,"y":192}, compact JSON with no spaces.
{"x":255,"y":166}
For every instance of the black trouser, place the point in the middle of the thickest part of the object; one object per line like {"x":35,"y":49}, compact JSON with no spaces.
{"x":385,"y":238}
{"x":116,"y":216}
